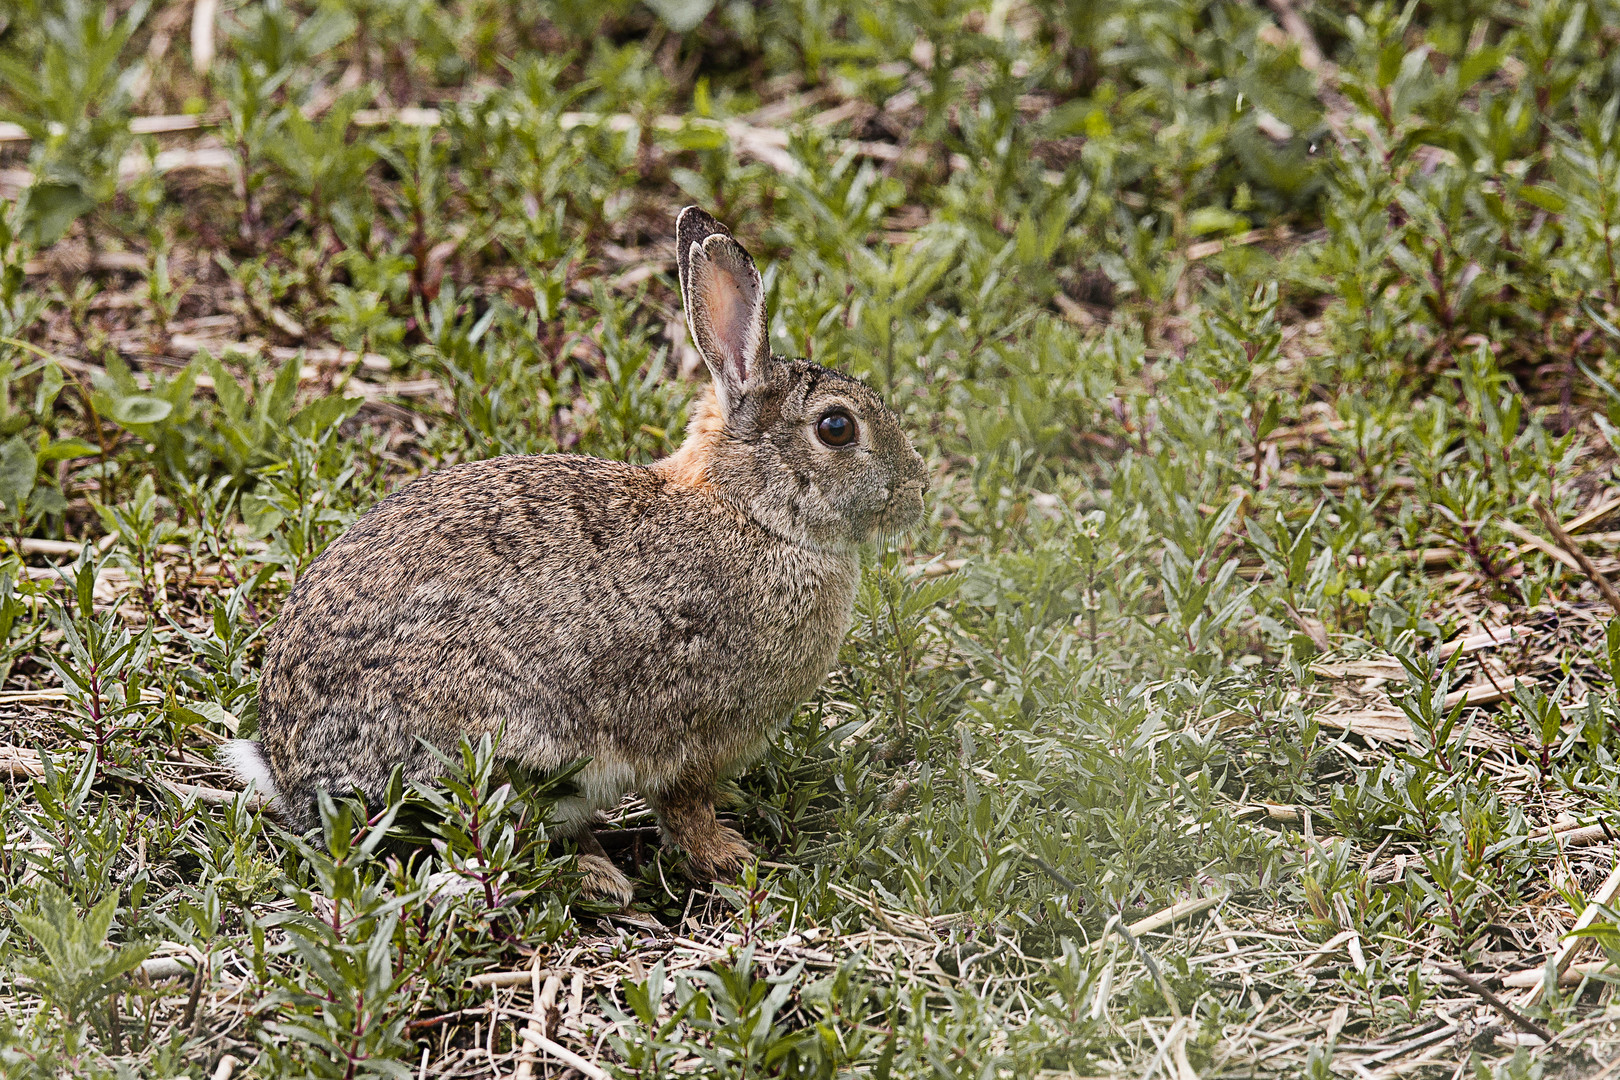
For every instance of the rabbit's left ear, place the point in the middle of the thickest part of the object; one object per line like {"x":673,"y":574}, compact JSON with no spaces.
{"x":725,"y":304}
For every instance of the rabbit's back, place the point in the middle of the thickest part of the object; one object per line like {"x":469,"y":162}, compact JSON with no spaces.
{"x":595,"y":608}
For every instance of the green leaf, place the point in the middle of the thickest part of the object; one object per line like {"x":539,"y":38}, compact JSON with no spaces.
{"x":84,"y":586}
{"x":277,"y":407}
{"x":67,"y":450}
{"x":699,"y":135}
{"x":138,"y":410}
{"x":1611,"y":634}
{"x":1208,"y":219}
{"x":260,"y":515}
{"x":1476,"y":66}
{"x":1605,"y":933}
{"x":47,"y":499}
{"x":323,"y":31}
{"x":49,"y":208}
{"x":119,"y":380}
{"x":227,"y":391}
{"x":320,"y":416}
{"x":18,"y":467}
{"x":50,"y":384}
{"x":209,"y":712}
{"x":1268,"y":422}
{"x":1549,"y":199}
{"x":1079,"y":117}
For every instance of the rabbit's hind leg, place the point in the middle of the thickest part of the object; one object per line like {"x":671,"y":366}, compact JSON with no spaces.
{"x":686,"y":813}
{"x":601,"y":877}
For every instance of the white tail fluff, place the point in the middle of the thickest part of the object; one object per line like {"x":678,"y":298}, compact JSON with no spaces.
{"x":246,"y":760}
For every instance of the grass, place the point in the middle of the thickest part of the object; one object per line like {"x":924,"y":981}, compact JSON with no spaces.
{"x":1236,"y":712}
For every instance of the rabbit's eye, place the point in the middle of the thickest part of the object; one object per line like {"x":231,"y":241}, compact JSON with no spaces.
{"x":836,"y":428}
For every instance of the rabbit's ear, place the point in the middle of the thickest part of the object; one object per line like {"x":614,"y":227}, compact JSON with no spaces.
{"x":725,"y":304}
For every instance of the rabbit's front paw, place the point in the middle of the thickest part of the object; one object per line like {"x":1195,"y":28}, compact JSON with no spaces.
{"x":603,"y":879}
{"x":718,"y":855}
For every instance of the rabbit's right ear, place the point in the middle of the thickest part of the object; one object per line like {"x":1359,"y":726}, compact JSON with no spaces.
{"x":725,"y":304}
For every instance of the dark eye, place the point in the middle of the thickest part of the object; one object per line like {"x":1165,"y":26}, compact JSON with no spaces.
{"x":837,"y":428}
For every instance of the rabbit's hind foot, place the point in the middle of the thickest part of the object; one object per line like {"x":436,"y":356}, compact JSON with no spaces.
{"x":715,"y":852}
{"x":719,"y":856}
{"x":604,"y":880}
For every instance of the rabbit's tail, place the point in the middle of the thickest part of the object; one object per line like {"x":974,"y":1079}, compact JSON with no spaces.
{"x":245,"y":758}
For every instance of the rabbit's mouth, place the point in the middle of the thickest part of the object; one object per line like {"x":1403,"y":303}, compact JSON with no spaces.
{"x":903,"y":509}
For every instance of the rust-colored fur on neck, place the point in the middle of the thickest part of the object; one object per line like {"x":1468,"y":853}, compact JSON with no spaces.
{"x":688,"y":467}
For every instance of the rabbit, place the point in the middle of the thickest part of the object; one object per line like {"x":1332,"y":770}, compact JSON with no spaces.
{"x":661,"y":621}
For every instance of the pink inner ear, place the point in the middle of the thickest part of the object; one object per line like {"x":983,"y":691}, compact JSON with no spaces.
{"x":731,"y":317}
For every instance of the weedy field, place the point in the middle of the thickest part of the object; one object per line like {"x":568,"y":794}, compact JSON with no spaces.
{"x":1247,"y":705}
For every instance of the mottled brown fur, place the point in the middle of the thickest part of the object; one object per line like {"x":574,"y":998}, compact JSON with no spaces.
{"x":660,"y":620}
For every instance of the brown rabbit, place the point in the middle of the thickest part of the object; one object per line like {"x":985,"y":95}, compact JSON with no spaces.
{"x":662,"y":621}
